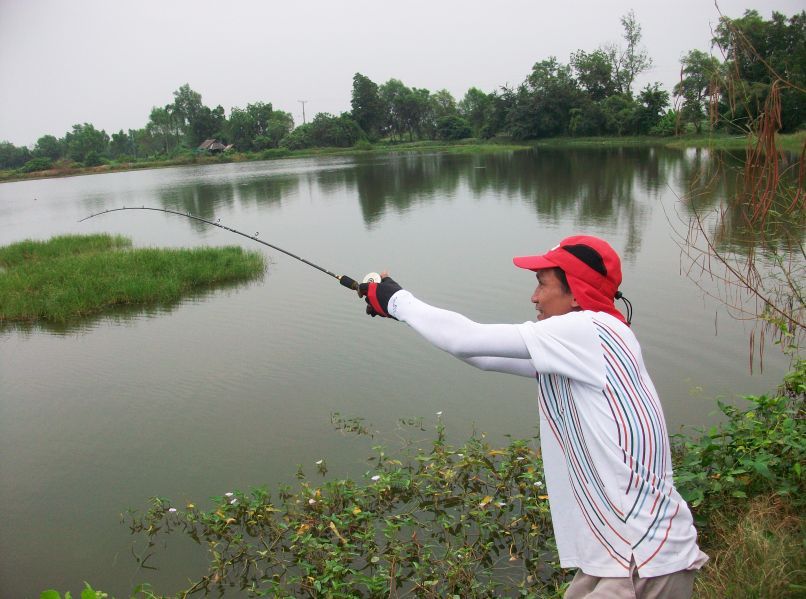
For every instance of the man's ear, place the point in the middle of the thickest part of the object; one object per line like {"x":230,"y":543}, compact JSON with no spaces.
{"x":574,"y":303}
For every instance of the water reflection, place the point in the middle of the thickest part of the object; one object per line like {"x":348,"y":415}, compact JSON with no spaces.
{"x":206,"y":198}
{"x":719,"y":191}
{"x":590,"y":186}
{"x":122,"y":314}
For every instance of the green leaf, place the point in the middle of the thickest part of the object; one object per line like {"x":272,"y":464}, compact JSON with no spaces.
{"x":50,"y":594}
{"x":761,"y":468}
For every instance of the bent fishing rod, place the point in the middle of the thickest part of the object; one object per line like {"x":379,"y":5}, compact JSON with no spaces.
{"x":343,"y":279}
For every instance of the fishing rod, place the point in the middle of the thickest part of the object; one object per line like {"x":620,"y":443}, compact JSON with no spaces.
{"x":343,"y":279}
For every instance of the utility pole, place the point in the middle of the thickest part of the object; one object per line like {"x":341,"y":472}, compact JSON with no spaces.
{"x":303,"y":102}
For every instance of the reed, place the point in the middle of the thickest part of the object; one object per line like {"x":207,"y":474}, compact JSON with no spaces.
{"x":74,"y":276}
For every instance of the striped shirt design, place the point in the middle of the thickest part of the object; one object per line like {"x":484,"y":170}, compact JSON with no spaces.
{"x":631,"y":510}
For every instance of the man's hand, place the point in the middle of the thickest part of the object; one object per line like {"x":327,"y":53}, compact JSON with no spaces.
{"x":377,"y":295}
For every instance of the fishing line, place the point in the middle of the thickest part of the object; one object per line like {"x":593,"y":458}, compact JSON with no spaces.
{"x":343,"y":279}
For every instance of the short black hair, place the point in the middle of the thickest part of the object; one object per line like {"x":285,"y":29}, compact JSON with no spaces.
{"x":560,"y":273}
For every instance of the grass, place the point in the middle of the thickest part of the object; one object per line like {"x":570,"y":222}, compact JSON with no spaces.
{"x":792,"y":142}
{"x":74,"y":276}
{"x":760,"y":553}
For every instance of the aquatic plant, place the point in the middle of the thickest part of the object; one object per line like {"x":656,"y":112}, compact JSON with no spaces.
{"x":74,"y":276}
{"x":444,"y":521}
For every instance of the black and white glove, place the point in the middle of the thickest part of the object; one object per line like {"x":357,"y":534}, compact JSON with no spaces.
{"x":377,"y":296}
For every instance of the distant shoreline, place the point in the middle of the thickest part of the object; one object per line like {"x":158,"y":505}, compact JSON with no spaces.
{"x":794,"y":142}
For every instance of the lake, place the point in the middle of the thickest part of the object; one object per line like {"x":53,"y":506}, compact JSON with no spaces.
{"x":235,"y":388}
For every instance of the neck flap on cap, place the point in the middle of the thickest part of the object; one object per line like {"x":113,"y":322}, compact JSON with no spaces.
{"x":592,"y":290}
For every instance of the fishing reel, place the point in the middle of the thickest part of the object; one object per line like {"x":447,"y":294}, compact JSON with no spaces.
{"x":346,"y":281}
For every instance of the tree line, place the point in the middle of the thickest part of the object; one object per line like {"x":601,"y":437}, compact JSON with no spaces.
{"x":591,"y":95}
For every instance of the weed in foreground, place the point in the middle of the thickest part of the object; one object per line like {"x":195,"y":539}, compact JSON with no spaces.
{"x":761,"y":554}
{"x":467,"y":521}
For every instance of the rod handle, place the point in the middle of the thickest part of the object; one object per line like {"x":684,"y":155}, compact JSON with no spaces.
{"x":348,"y":282}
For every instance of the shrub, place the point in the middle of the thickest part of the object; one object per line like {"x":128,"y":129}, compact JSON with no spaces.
{"x":453,"y":127}
{"x":93,"y":159}
{"x":758,"y":450}
{"x":273,"y":153}
{"x":667,"y":125}
{"x":36,"y":164}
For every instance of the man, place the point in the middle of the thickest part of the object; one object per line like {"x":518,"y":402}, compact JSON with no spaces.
{"x":617,"y":516}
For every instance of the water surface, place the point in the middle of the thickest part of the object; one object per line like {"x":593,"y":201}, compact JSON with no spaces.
{"x":234,"y":388}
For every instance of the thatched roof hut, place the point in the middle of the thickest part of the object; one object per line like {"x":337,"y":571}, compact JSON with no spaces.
{"x":213,"y":146}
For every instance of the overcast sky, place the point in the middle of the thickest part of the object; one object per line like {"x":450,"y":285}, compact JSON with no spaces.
{"x":108,"y":62}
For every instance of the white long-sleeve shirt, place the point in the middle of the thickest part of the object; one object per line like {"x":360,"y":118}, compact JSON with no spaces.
{"x":603,"y":436}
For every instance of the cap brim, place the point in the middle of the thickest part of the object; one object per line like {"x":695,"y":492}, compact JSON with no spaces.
{"x":533,"y":262}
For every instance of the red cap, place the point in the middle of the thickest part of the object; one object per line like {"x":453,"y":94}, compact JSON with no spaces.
{"x":592,"y":267}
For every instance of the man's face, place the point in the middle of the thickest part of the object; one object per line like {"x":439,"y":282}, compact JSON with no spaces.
{"x":549,"y":298}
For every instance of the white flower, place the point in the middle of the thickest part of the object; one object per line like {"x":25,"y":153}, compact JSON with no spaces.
{"x":233,"y":501}
{"x":538,"y":484}
{"x":520,"y":458}
{"x":439,"y":413}
{"x":376,"y":477}
{"x":500,"y":504}
{"x":172,"y":509}
{"x":228,"y":494}
{"x":461,"y":455}
{"x":319,"y":462}
{"x":312,"y":501}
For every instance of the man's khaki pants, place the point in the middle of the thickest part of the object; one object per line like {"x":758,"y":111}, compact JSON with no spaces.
{"x":678,"y":585}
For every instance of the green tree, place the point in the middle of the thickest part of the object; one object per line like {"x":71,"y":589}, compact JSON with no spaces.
{"x":651,"y":103}
{"x":331,"y":131}
{"x":299,"y":138}
{"x":48,"y":146}
{"x":187,"y":108}
{"x":12,"y":156}
{"x":453,"y":127}
{"x":368,"y":109}
{"x":594,"y":73}
{"x":393,"y":94}
{"x":418,"y":113}
{"x":759,"y":53}
{"x":497,"y":113}
{"x":627,"y":63}
{"x":206,"y":124}
{"x":162,"y":129}
{"x":698,"y":86}
{"x":588,"y":119}
{"x":122,"y":144}
{"x":474,"y":107}
{"x":443,"y":104}
{"x":85,"y":141}
{"x":619,"y":113}
{"x":543,"y":103}
{"x":258,"y":126}
{"x":325,"y":131}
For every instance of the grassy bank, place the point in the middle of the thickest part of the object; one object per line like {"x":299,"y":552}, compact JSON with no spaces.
{"x":70,"y":277}
{"x":190,"y":158}
{"x":792,"y":142}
